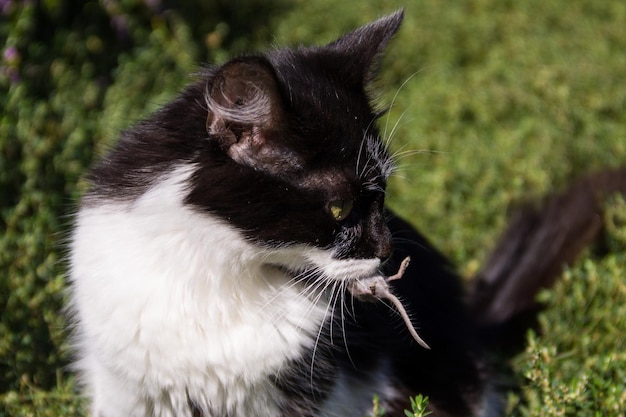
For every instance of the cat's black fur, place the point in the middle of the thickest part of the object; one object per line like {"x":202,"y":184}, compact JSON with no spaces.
{"x":317,"y":117}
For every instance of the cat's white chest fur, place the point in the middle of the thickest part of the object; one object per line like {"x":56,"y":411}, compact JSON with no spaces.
{"x":175,"y":307}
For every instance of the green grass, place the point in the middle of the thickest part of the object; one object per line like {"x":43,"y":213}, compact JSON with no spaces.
{"x":503,"y":100}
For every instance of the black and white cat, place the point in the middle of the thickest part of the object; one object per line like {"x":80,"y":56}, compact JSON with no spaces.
{"x":212,"y":255}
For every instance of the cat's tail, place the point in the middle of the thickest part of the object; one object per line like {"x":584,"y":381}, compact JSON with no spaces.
{"x":540,"y":240}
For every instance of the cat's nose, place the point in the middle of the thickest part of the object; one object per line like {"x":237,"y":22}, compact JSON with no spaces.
{"x":384,"y":248}
{"x":385,"y":253}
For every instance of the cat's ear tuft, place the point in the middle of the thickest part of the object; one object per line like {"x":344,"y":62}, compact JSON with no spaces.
{"x":365,"y":45}
{"x":244,"y":108}
{"x":243,"y":101}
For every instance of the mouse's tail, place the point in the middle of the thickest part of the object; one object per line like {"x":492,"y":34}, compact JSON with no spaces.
{"x":540,"y":240}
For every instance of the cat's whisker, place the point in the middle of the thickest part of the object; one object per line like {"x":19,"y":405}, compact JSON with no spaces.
{"x":314,"y":292}
{"x":321,"y":288}
{"x":364,"y":140}
{"x":392,"y":156}
{"x":400,"y":169}
{"x":334,"y":297}
{"x":352,"y":301}
{"x":319,"y":333}
{"x":358,"y":158}
{"x":306,"y":292}
{"x":395,"y":97}
{"x":288,"y":286}
{"x":389,"y":138}
{"x":351,"y":311}
{"x":342,"y":306}
{"x":319,"y":281}
{"x":398,"y":154}
{"x":367,"y":166}
{"x":402,"y":154}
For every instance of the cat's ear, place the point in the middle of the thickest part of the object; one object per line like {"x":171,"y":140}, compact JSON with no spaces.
{"x":364,"y":46}
{"x":244,"y":109}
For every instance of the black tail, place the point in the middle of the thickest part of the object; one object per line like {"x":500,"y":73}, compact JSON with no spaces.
{"x":540,"y":240}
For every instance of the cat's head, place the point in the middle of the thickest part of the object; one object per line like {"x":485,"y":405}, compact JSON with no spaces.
{"x":307,"y":168}
{"x":285,"y":149}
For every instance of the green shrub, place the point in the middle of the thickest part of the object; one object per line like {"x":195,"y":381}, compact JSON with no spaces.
{"x":577,"y":367}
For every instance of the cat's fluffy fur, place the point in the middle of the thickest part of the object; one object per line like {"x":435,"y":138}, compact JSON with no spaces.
{"x":163,"y":328}
{"x":211,"y":255}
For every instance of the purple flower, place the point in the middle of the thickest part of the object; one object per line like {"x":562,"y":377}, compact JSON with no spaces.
{"x":5,"y":6}
{"x":11,"y":55}
{"x":154,"y":5}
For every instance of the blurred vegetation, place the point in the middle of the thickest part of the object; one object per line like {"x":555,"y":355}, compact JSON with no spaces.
{"x":502,"y":100}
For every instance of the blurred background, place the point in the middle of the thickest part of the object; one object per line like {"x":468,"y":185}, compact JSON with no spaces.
{"x":493,"y":102}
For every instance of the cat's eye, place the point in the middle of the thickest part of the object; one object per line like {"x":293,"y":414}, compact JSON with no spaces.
{"x":340,"y":209}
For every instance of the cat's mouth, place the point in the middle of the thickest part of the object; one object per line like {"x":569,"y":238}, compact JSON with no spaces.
{"x":306,"y":264}
{"x":340,"y":272}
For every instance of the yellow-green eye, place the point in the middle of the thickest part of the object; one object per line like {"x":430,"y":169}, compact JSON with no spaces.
{"x":340,"y":209}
